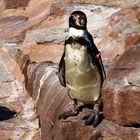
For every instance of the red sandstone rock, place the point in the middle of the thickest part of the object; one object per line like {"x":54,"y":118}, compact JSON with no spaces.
{"x":122,"y":31}
{"x":14,"y":26}
{"x":50,"y":97}
{"x":73,"y":129}
{"x":14,"y":96}
{"x":108,"y":130}
{"x":40,"y":52}
{"x":28,"y":8}
{"x":108,"y":30}
{"x":16,"y":3}
{"x":2,"y":6}
{"x":41,"y":80}
{"x":118,"y":3}
{"x":121,"y":91}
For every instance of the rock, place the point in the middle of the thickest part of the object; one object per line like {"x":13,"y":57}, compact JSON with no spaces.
{"x":111,"y":3}
{"x":35,"y":8}
{"x":10,"y":73}
{"x":14,"y":97}
{"x":2,"y":6}
{"x":8,"y":26}
{"x":55,"y":33}
{"x":121,"y":91}
{"x":107,"y":130}
{"x":19,"y":134}
{"x":39,"y":52}
{"x":122,"y":29}
{"x":53,"y":100}
{"x":16,"y":4}
{"x":71,"y":129}
{"x":96,"y":14}
{"x":51,"y":35}
{"x":14,"y":26}
{"x":32,"y":34}
{"x":28,"y":8}
{"x":50,"y":97}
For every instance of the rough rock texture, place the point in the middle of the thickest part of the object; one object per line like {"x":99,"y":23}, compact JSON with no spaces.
{"x":15,"y":97}
{"x":16,"y":3}
{"x":51,"y":99}
{"x":118,"y":3}
{"x":15,"y":25}
{"x":107,"y":130}
{"x":96,"y":14}
{"x":43,"y":52}
{"x":31,"y":33}
{"x":2,"y":6}
{"x":122,"y":31}
{"x":112,"y":27}
{"x":121,"y":91}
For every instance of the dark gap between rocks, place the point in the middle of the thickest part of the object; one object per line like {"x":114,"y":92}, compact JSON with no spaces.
{"x":133,"y":125}
{"x":6,"y":113}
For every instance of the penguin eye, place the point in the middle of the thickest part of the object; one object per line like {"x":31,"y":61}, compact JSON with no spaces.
{"x":76,"y":16}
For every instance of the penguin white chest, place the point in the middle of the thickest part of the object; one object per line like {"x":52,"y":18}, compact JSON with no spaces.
{"x":76,"y":54}
{"x":82,"y":75}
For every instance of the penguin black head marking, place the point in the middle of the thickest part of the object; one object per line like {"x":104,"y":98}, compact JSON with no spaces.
{"x":78,"y":20}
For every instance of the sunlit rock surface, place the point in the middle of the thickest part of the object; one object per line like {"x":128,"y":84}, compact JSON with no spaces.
{"x":42,"y":52}
{"x":25,"y":123}
{"x":121,"y":91}
{"x":32,"y":33}
{"x":107,"y":130}
{"x":121,"y":33}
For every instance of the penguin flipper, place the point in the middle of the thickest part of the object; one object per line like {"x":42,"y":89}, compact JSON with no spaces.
{"x":101,"y":69}
{"x":95,"y":52}
{"x":61,"y":71}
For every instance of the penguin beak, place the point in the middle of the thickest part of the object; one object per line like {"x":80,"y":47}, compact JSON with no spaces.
{"x":77,"y":19}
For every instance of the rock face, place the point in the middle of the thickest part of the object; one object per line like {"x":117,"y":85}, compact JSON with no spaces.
{"x":51,"y":100}
{"x":107,"y":130}
{"x":121,"y":91}
{"x":14,"y":97}
{"x":50,"y":97}
{"x":41,"y":52}
{"x":16,"y":4}
{"x":121,"y":33}
{"x":32,"y":33}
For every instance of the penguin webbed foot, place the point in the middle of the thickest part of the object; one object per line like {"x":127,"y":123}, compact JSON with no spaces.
{"x":67,"y":114}
{"x":72,"y":111}
{"x":94,"y":117}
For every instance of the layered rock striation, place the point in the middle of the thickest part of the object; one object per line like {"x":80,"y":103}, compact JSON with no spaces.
{"x":31,"y":44}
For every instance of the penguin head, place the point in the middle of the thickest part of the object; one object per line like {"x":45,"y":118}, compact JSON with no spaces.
{"x":78,"y":20}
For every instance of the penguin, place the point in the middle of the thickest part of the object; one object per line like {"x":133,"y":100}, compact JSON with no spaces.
{"x":81,"y":69}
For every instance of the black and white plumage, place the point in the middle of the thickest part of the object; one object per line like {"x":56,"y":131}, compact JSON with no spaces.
{"x":80,"y":68}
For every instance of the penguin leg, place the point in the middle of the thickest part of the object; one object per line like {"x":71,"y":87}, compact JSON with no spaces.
{"x":73,"y":111}
{"x":94,"y":117}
